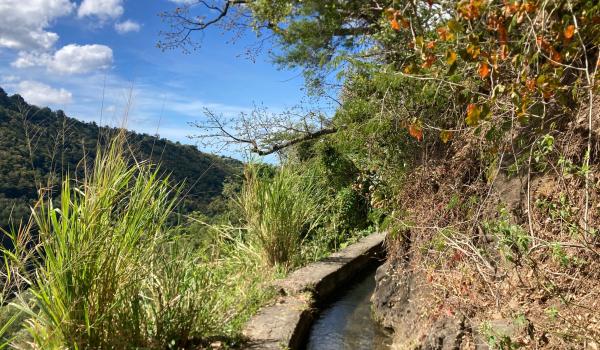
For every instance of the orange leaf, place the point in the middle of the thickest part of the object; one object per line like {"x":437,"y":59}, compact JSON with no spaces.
{"x":555,"y":55}
{"x":484,"y":70}
{"x":431,"y":45}
{"x":470,"y":10}
{"x":428,"y":61}
{"x":451,"y":57}
{"x":570,"y":31}
{"x":547,"y":94}
{"x":528,"y":7}
{"x":390,"y":13}
{"x":395,"y":24}
{"x":473,"y":114}
{"x":473,"y":50}
{"x":510,"y":8}
{"x":416,"y":131}
{"x":445,"y":34}
{"x":530,"y":85}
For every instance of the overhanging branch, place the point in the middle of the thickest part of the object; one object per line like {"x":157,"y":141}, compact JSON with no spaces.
{"x":283,"y":145}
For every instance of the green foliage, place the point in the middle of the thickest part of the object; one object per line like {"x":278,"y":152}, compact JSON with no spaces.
{"x":513,"y":239}
{"x":338,"y":169}
{"x":562,"y":212}
{"x":350,"y":210}
{"x":552,"y":313}
{"x":559,"y":255}
{"x":544,"y":147}
{"x":496,"y":340}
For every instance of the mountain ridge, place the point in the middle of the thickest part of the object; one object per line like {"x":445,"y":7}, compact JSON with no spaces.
{"x":39,"y":146}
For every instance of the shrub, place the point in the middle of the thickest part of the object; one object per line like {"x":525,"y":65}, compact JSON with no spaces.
{"x":351,"y":210}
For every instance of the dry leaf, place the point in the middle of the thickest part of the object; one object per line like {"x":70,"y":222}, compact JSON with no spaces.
{"x":484,"y":70}
{"x":446,"y":136}
{"x":428,"y":61}
{"x":570,"y":31}
{"x":473,"y":114}
{"x":416,"y":131}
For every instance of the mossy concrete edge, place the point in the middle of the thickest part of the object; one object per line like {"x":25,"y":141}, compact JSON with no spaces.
{"x":286,"y":323}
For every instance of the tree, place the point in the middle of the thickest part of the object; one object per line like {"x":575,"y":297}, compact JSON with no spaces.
{"x":518,"y":59}
{"x":313,"y":35}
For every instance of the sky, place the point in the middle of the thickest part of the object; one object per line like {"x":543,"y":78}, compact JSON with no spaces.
{"x":87,"y":57}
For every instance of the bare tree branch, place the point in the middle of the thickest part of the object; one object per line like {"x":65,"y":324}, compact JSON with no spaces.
{"x":265,"y":133}
{"x":306,"y":137}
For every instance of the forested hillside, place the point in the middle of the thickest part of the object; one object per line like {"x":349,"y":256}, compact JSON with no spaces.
{"x":38,"y":146}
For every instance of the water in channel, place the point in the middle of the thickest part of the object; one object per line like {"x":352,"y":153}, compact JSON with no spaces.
{"x":347,"y":324}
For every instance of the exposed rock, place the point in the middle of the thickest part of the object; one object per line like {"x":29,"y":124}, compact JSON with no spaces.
{"x":281,"y":325}
{"x":445,"y":334}
{"x":398,"y":303}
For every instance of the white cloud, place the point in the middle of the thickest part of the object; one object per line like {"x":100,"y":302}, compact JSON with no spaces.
{"x":23,"y":25}
{"x":31,"y":59}
{"x":71,"y":59}
{"x":103,"y":9}
{"x":127,"y":26}
{"x":42,"y":95}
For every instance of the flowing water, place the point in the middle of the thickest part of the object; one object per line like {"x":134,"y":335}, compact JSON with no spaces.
{"x":347,"y":324}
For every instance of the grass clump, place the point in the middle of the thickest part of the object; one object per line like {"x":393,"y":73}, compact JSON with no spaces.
{"x":280,"y":212}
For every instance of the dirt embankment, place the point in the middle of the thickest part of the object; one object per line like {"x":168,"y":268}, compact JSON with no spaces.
{"x":498,"y":245}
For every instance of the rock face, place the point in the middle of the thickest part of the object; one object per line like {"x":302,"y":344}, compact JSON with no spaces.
{"x":280,"y":326}
{"x":399,"y":301}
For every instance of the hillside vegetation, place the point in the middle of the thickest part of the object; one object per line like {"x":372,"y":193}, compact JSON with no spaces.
{"x":38,"y":147}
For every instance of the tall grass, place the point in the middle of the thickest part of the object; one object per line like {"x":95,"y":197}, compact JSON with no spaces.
{"x":14,"y":267}
{"x":280,"y":212}
{"x":109,"y":273}
{"x":97,"y":247}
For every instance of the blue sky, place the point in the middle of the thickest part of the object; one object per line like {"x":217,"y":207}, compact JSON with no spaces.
{"x":67,"y":54}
